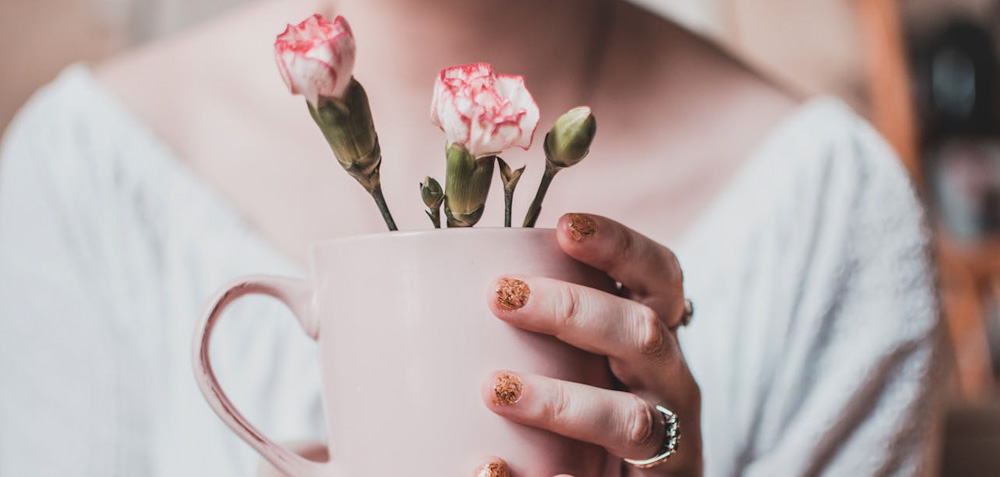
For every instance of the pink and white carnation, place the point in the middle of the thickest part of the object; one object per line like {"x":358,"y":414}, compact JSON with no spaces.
{"x":316,"y":57}
{"x":484,"y":112}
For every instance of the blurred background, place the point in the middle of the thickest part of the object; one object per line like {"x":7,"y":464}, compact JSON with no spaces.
{"x":925,"y":72}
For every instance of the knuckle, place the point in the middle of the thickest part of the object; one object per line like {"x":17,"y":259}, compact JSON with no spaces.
{"x":652,"y":339}
{"x":627,"y":248}
{"x":641,"y":422}
{"x":556,"y":406}
{"x":674,"y":266}
{"x":566,"y":309}
{"x":692,"y":388}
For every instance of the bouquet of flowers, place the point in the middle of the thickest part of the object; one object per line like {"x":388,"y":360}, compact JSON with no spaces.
{"x":481,"y":113}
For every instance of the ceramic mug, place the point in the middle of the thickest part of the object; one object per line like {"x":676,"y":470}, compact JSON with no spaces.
{"x":406,"y":339}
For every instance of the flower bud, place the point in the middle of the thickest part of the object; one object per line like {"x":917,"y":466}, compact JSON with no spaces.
{"x":347,"y":125}
{"x":431,"y":193}
{"x":569,"y":140}
{"x":316,"y":57}
{"x":509,"y":176}
{"x":467,"y":185}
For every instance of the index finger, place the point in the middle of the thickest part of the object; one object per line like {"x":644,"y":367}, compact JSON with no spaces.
{"x":649,"y":270}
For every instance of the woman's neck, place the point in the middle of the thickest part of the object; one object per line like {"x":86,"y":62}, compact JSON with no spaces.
{"x":555,"y":44}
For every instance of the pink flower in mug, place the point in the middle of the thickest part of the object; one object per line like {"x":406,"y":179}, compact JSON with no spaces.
{"x":484,"y":112}
{"x":316,"y":57}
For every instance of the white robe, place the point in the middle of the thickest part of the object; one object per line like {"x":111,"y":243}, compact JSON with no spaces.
{"x":814,"y":342}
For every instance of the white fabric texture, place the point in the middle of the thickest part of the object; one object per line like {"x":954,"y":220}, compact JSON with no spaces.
{"x":814,"y":340}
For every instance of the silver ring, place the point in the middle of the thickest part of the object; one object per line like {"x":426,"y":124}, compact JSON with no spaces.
{"x":671,"y":438}
{"x":688,"y":312}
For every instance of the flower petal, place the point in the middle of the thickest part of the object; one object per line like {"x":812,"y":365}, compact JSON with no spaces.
{"x":316,"y":57}
{"x":486,"y":113}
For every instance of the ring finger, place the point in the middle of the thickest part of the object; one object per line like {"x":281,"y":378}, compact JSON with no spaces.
{"x":622,"y":423}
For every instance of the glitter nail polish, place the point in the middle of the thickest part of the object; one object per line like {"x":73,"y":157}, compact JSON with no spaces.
{"x":512,"y":294}
{"x":581,"y":227}
{"x":494,"y":469}
{"x":507,"y":389}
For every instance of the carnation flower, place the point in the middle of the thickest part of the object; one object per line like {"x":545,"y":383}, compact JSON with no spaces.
{"x":316,"y":60}
{"x":316,"y":57}
{"x":484,"y":112}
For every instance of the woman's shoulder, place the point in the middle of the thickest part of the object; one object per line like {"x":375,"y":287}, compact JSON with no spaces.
{"x":823,"y":198}
{"x":822,"y":167}
{"x":823,"y":218}
{"x":69,"y":133}
{"x":113,"y":184}
{"x":813,"y":273}
{"x":828,"y":147}
{"x":842,"y":188}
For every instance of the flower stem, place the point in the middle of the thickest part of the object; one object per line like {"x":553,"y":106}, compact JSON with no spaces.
{"x":376,"y":193}
{"x":435,"y":216}
{"x":536,"y":205}
{"x":508,"y":203}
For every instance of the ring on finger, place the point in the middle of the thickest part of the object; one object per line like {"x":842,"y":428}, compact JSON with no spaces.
{"x":686,"y":315}
{"x":688,"y":312}
{"x":671,"y":439}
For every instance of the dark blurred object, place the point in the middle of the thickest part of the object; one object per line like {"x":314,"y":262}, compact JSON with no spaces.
{"x":974,"y":437}
{"x":956,"y":84}
{"x":965,"y":178}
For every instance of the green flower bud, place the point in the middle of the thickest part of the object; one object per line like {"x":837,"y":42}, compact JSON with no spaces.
{"x":467,"y":184}
{"x":431,"y":193}
{"x":509,"y":176}
{"x":568,"y":142}
{"x":347,"y":125}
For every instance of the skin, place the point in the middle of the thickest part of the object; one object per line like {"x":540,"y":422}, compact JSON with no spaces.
{"x":677,"y":117}
{"x":638,"y":334}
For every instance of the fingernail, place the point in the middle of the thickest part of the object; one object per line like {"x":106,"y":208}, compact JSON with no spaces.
{"x":512,"y":294}
{"x":581,"y":227}
{"x":494,"y":469}
{"x":507,"y":389}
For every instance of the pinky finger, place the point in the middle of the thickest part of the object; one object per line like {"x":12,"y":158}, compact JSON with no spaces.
{"x":492,"y":467}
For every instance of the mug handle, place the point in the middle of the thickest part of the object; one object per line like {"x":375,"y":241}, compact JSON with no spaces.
{"x":297,"y":295}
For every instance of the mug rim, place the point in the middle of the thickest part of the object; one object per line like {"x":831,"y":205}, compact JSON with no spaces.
{"x":316,"y":246}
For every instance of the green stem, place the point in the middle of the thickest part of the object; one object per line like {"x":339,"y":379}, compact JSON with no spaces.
{"x":376,"y":193}
{"x":435,"y":216}
{"x":536,"y":205}
{"x":508,"y":203}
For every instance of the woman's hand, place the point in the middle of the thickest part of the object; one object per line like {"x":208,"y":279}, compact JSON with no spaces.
{"x":636,"y":331}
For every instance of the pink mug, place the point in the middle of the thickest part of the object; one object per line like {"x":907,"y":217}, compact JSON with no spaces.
{"x":406,"y":340}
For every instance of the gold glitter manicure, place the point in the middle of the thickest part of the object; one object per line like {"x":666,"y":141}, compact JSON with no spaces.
{"x":581,"y":227}
{"x":507,"y":389}
{"x":512,"y":294}
{"x":494,"y":469}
